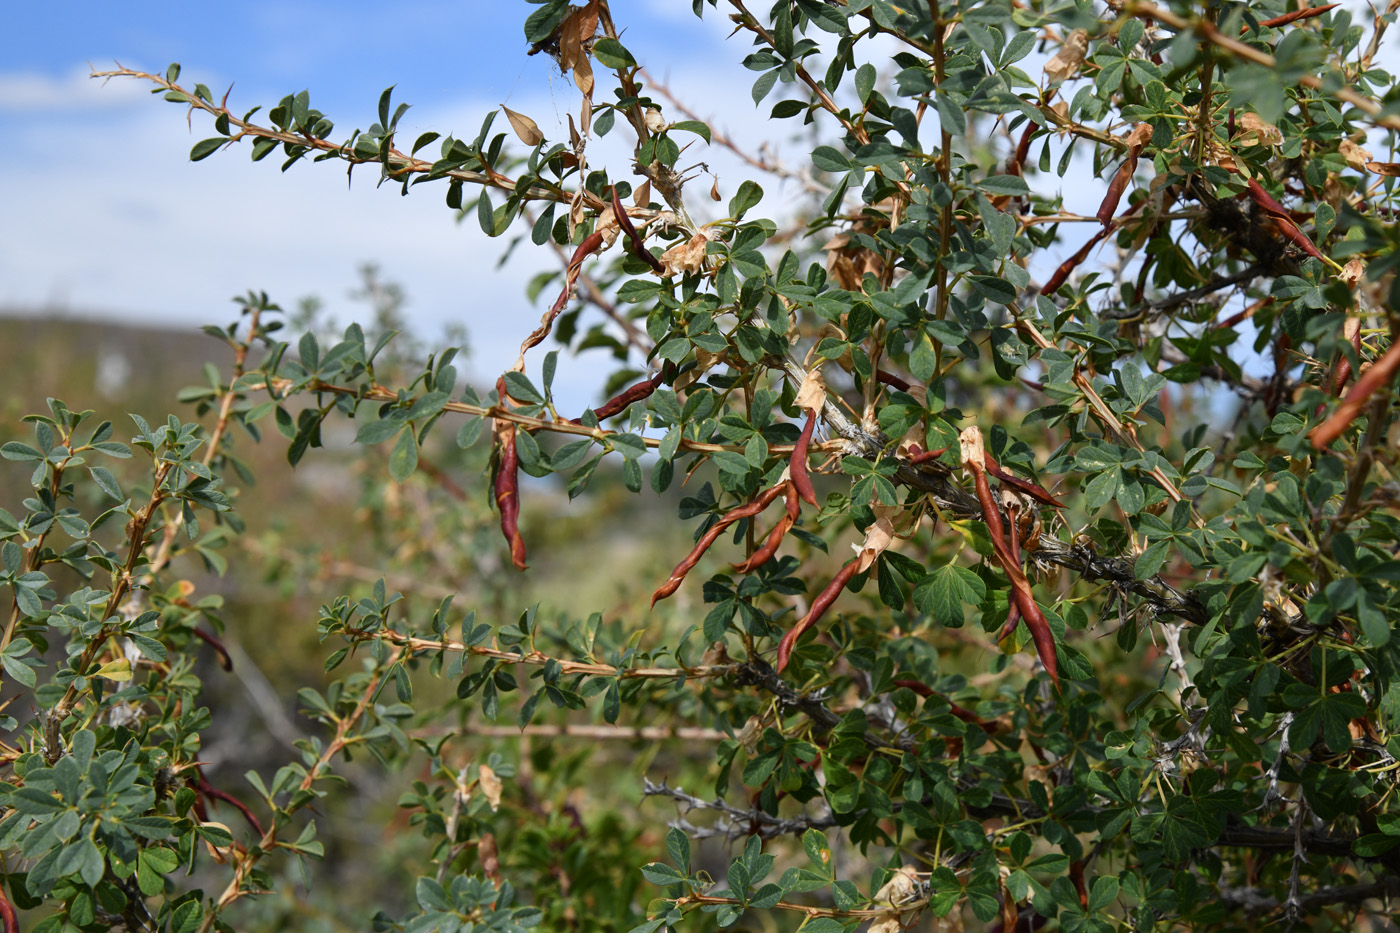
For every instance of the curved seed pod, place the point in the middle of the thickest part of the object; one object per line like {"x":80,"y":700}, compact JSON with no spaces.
{"x":819,"y":607}
{"x":1023,"y":486}
{"x":891,"y":380}
{"x":775,"y":537}
{"x":1069,"y":265}
{"x":1109,"y":206}
{"x":638,"y":247}
{"x":1265,"y":202}
{"x":1023,"y":149}
{"x":9,"y":920}
{"x":974,"y":460}
{"x":1376,"y":377}
{"x":677,"y":577}
{"x":590,"y":243}
{"x":797,"y":463}
{"x":966,"y":715}
{"x":1293,"y":17}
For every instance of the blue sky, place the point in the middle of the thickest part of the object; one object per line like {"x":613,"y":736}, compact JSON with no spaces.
{"x":109,"y":218}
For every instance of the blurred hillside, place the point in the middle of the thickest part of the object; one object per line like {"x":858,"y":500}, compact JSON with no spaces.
{"x":333,"y":526}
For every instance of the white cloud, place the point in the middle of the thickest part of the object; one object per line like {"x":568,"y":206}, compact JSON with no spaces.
{"x":115,"y":221}
{"x":35,"y":93}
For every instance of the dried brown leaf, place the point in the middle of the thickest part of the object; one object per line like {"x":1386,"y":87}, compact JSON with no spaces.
{"x":1065,"y":64}
{"x":1255,"y":131}
{"x":578,"y":27}
{"x":490,"y":786}
{"x":1356,"y":156}
{"x":524,"y":127}
{"x":1391,"y":169}
{"x":812,"y":393}
{"x":583,"y":76}
{"x":686,"y":257}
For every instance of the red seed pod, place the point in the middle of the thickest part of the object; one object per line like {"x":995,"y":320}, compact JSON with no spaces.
{"x":1293,"y":17}
{"x":891,"y":380}
{"x":924,"y":456}
{"x":1020,"y":587}
{"x":1109,"y":206}
{"x":819,"y":607}
{"x":1265,"y":202}
{"x":1023,"y":149}
{"x":9,"y":920}
{"x":1380,"y":374}
{"x":797,"y":464}
{"x":775,"y":536}
{"x":1070,"y":264}
{"x":625,"y":223}
{"x":677,"y":577}
{"x":1020,"y":485}
{"x":619,"y":402}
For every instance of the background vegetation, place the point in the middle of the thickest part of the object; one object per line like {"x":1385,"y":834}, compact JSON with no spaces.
{"x":1111,"y":647}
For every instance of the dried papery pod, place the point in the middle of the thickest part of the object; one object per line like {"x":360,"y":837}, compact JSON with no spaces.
{"x":507,"y":483}
{"x":1255,"y":131}
{"x":1378,"y":376}
{"x":733,"y":515}
{"x":607,"y":226}
{"x":1065,"y":62}
{"x":490,"y":786}
{"x":591,"y":243}
{"x":685,"y":257}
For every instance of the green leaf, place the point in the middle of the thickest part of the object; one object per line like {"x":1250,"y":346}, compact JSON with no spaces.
{"x":678,"y":846}
{"x":693,"y":126}
{"x":206,"y":147}
{"x":945,"y":592}
{"x":658,"y":873}
{"x":612,"y":54}
{"x":520,"y":388}
{"x":828,"y":159}
{"x":403,"y":460}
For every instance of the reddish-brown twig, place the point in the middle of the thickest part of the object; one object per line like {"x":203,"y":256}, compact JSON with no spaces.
{"x":507,"y":485}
